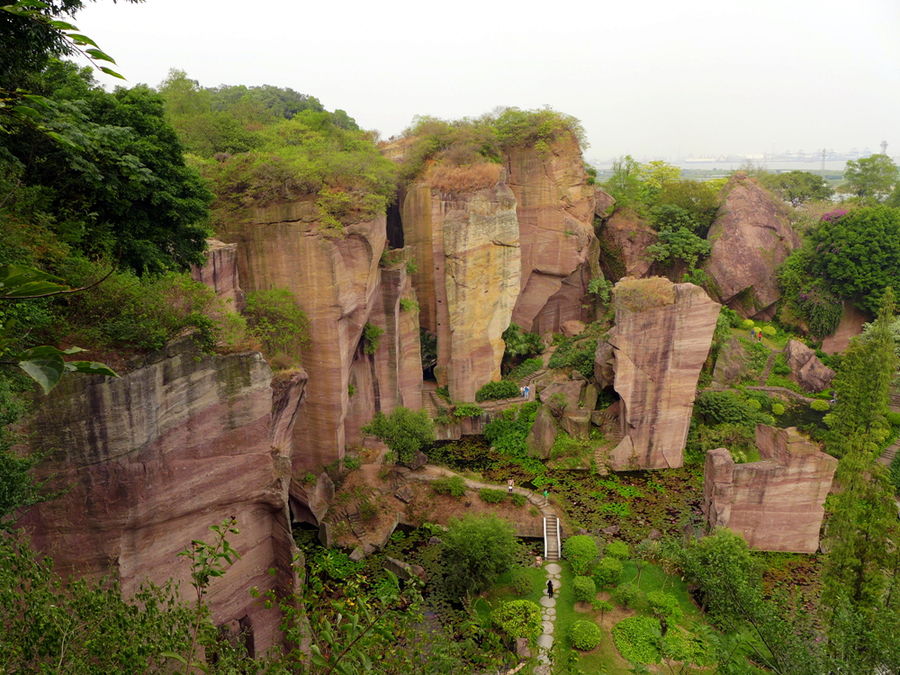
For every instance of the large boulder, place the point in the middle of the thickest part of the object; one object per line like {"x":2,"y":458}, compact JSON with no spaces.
{"x":661,"y":339}
{"x":624,"y":240}
{"x":148,"y":462}
{"x":851,"y":325}
{"x":603,"y":203}
{"x":806,"y":368}
{"x":776,"y":504}
{"x":467,"y":251}
{"x":732,"y":364}
{"x":750,"y":238}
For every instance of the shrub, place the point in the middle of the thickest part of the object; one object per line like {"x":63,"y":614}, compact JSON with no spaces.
{"x":819,"y":405}
{"x":627,"y":595}
{"x":777,"y":408}
{"x":371,"y":337}
{"x":518,"y":619}
{"x":581,"y":552}
{"x":748,"y":323}
{"x":467,"y":410}
{"x":781,"y":367}
{"x":404,"y":431}
{"x":585,"y":589}
{"x":608,"y":572}
{"x":723,"y":407}
{"x":275,"y":319}
{"x":584,"y":635}
{"x":491,"y":496}
{"x":497,"y":390}
{"x":521,"y":582}
{"x":408,"y":305}
{"x":508,"y":431}
{"x":352,"y":462}
{"x":477,"y":550}
{"x":455,"y":486}
{"x":524,"y":369}
{"x":575,"y":354}
{"x":601,"y":288}
{"x":771,"y":331}
{"x":637,"y":638}
{"x":663,"y":604}
{"x":517,"y":499}
{"x":618,"y":549}
{"x":521,"y":343}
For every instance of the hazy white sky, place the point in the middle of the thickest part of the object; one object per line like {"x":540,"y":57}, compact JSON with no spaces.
{"x":654,"y":78}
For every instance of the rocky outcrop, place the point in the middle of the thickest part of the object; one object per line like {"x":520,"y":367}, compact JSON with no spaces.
{"x":146,"y":463}
{"x":661,"y":339}
{"x":806,"y":368}
{"x":776,"y":504}
{"x":220,"y":272}
{"x":603,"y":203}
{"x":750,"y":238}
{"x":624,"y":239}
{"x":555,"y":209}
{"x":732,"y":364}
{"x":851,"y":325}
{"x":467,"y":252}
{"x":336,"y":279}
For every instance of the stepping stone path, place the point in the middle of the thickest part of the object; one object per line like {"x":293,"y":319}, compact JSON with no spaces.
{"x":548,"y":615}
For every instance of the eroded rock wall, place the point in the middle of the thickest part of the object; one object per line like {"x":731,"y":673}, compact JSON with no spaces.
{"x":661,"y":338}
{"x":220,"y":272}
{"x":149,"y":461}
{"x":467,"y":251}
{"x":555,"y":210}
{"x":750,"y":238}
{"x":776,"y":504}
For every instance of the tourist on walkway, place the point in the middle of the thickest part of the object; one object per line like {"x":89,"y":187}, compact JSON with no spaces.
{"x":509,"y":485}
{"x":549,"y":588}
{"x":527,"y":391}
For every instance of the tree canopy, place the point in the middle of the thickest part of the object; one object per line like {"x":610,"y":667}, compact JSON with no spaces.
{"x":872,"y":178}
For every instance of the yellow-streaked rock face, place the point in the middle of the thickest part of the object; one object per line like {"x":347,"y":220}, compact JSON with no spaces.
{"x":466,"y":248}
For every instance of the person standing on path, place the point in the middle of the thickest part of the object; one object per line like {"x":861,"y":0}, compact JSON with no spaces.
{"x":549,"y":588}
{"x":527,"y":392}
{"x":509,"y":486}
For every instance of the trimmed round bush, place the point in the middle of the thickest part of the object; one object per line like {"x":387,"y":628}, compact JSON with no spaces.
{"x":820,"y":405}
{"x":769,"y":330}
{"x":637,"y":638}
{"x":778,"y":409}
{"x":627,"y":595}
{"x":664,"y":604}
{"x":518,"y":618}
{"x":748,"y":323}
{"x":584,"y":635}
{"x":617,"y":549}
{"x":585,"y":589}
{"x":497,"y":390}
{"x":608,"y":571}
{"x":581,"y":551}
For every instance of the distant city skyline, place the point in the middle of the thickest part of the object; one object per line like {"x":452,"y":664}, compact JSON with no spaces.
{"x":648,"y":78}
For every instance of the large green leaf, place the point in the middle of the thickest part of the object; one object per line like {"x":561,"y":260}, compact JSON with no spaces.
{"x":90,"y":367}
{"x":45,"y":365}
{"x":17,"y":281}
{"x":45,"y":370}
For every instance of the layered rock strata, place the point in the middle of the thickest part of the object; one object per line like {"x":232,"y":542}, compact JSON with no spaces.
{"x":750,"y":238}
{"x":776,"y":504}
{"x":555,"y":210}
{"x":142,"y":460}
{"x":624,"y":240}
{"x":220,"y":272}
{"x":336,"y":279}
{"x":660,"y":341}
{"x":467,"y":252}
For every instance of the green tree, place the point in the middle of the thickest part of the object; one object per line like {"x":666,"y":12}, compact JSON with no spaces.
{"x":477,"y":550}
{"x":678,"y":246}
{"x":858,"y":255}
{"x":404,"y":431}
{"x":582,"y":552}
{"x":873,"y":178}
{"x":798,"y":187}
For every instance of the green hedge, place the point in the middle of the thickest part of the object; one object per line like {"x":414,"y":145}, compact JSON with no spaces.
{"x":637,"y":639}
{"x":584,"y":635}
{"x":498,"y":390}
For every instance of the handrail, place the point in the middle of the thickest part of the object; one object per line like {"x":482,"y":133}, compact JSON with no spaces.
{"x":545,"y":537}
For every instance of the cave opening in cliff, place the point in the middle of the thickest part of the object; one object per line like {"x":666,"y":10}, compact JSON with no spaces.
{"x":394,"y":226}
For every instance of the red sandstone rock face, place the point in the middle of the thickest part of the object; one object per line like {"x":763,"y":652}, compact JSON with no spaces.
{"x":220,"y":272}
{"x":603,"y":203}
{"x":149,"y":461}
{"x":466,"y":248}
{"x":750,"y":238}
{"x":336,"y":280}
{"x":555,"y":208}
{"x":851,"y":325}
{"x":662,"y":336}
{"x":776,"y":504}
{"x":806,"y":368}
{"x":624,"y":239}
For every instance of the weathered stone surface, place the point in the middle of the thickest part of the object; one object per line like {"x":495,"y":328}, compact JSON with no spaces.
{"x":806,"y":368}
{"x":731,"y":364}
{"x":220,"y":272}
{"x":776,"y":504}
{"x":337,"y":281}
{"x":624,"y":239}
{"x":543,"y":433}
{"x":603,"y":203}
{"x":661,"y":338}
{"x":467,"y":251}
{"x":750,"y":238}
{"x":143,"y":460}
{"x":572,"y":327}
{"x":555,"y":208}
{"x":851,"y":325}
{"x":404,"y":570}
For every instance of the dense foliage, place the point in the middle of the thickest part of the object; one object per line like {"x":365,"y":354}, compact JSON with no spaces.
{"x":497,"y":390}
{"x":404,"y":431}
{"x":637,"y":638}
{"x":584,"y":635}
{"x":581,"y":551}
{"x":872,"y":179}
{"x":477,"y":550}
{"x":518,"y":619}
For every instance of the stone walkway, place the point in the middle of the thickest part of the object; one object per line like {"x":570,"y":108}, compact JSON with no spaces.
{"x":548,"y":618}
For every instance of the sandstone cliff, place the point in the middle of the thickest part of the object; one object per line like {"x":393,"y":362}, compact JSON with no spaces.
{"x":624,"y":239}
{"x":750,"y":238}
{"x":337,"y":281}
{"x":662,"y":336}
{"x":148,"y":462}
{"x":466,"y":248}
{"x":555,"y":210}
{"x":776,"y":504}
{"x":220,"y":272}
